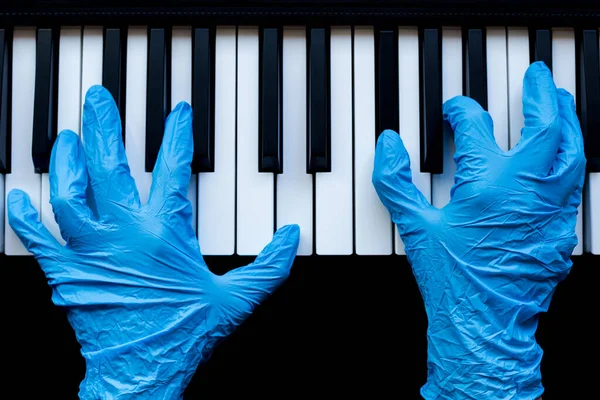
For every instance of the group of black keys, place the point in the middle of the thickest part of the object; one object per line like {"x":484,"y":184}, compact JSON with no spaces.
{"x":270,"y":91}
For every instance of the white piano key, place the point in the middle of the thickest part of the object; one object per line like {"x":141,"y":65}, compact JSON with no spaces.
{"x":255,"y":195}
{"x":373,"y":226}
{"x":294,"y":185}
{"x":497,"y":83}
{"x":69,"y":80}
{"x":22,"y":174}
{"x":216,"y":190}
{"x":91,"y":60}
{"x":408,"y":81}
{"x":333,"y":191}
{"x":68,"y":114}
{"x":135,"y":109}
{"x":592,"y":213}
{"x":518,"y":62}
{"x":564,"y":72}
{"x":181,"y":88}
{"x":452,"y":85}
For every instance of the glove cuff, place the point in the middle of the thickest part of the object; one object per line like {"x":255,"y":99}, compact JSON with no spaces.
{"x":132,"y":373}
{"x":499,"y":368}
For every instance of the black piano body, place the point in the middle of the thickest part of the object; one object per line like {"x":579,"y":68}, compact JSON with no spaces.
{"x":341,"y":325}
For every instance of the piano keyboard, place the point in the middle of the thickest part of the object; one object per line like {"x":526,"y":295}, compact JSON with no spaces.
{"x":285,"y":117}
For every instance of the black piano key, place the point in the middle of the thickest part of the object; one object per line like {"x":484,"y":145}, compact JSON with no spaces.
{"x":46,"y":98}
{"x":474,"y":71}
{"x":203,"y":99}
{"x":431,"y":101}
{"x":588,"y":90}
{"x":319,"y":130}
{"x":158,"y":91}
{"x":114,"y":67}
{"x":5,"y":97}
{"x":541,"y":46}
{"x":386,"y":70}
{"x":270,"y":145}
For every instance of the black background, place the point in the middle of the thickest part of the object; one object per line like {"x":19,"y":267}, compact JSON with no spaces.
{"x":339,"y":326}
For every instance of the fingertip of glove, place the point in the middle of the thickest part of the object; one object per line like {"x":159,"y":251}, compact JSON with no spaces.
{"x":67,"y":136}
{"x":458,"y":103}
{"x":15,"y":196}
{"x":96,"y":91}
{"x":292,"y":231}
{"x":538,"y":83}
{"x":17,"y":201}
{"x":389,"y":133}
{"x":183,"y":106}
{"x":389,"y":145}
{"x":537,"y":69}
{"x":181,"y":114}
{"x":391,"y":158}
{"x":388,"y":137}
{"x":97,"y":96}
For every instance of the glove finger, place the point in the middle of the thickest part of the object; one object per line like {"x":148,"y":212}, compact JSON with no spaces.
{"x":569,"y":164}
{"x":111,"y":180}
{"x":473,"y":136}
{"x":270,"y":269}
{"x":68,"y":184}
{"x":23,"y":218}
{"x":172,"y":172}
{"x":541,"y":135}
{"x":392,"y":180}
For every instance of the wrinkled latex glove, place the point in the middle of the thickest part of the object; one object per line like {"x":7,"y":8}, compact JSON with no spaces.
{"x":488,"y":263}
{"x":142,"y":302}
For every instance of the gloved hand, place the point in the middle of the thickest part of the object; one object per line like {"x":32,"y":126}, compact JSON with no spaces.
{"x":142,"y":302}
{"x":488,"y":263}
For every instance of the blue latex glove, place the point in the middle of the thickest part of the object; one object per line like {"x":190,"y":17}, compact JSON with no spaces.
{"x":488,"y":263}
{"x":144,"y":306}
